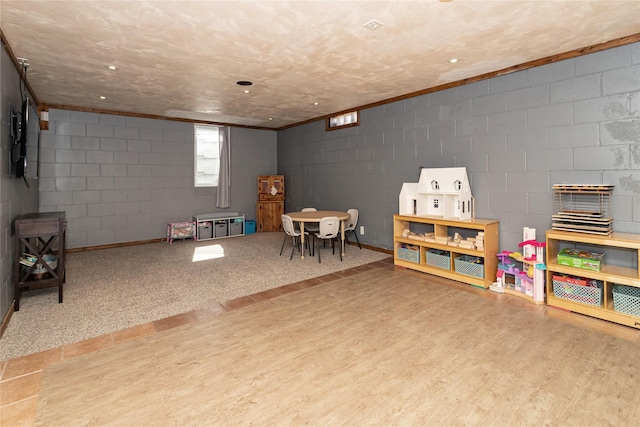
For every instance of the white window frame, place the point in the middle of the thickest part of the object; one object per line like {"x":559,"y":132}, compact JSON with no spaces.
{"x":206,"y":155}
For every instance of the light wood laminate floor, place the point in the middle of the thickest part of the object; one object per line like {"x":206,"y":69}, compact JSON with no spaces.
{"x":373,"y":345}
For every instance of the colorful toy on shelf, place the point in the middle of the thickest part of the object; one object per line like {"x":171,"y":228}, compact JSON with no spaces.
{"x":522,"y":274}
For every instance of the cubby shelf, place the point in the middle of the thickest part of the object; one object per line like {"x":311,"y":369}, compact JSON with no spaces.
{"x":610,"y":275}
{"x":217,"y":225}
{"x":442,"y":228}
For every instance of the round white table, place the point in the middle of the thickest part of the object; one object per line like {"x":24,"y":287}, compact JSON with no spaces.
{"x":316,"y":216}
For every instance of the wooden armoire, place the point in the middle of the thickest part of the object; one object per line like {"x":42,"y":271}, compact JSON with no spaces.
{"x":270,"y":203}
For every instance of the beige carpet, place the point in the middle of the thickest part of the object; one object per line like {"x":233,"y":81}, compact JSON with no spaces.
{"x":112,"y":289}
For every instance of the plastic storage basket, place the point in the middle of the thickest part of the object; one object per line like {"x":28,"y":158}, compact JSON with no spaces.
{"x":409,"y":254}
{"x":249,"y":226}
{"x":626,"y":299}
{"x":438,"y":258}
{"x":469,"y":265}
{"x":563,"y":288}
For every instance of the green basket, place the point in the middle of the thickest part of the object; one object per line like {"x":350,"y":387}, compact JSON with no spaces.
{"x":469,"y":265}
{"x":438,"y":258}
{"x":626,"y":299}
{"x":411,"y":255}
{"x":578,"y":293}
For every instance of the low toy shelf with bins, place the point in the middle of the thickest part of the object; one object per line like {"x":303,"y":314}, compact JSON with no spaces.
{"x":592,"y":284}
{"x":217,"y":225}
{"x":462,"y":250}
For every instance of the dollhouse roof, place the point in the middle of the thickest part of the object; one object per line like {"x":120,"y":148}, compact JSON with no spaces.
{"x":444,"y":181}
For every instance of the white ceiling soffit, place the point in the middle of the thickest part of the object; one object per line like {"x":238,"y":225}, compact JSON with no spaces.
{"x":182,"y":59}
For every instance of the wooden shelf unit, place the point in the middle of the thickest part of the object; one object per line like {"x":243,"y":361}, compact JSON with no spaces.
{"x":609,"y":274}
{"x":442,"y":228}
{"x":270,"y":205}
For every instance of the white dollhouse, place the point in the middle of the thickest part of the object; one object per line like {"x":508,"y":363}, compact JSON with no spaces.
{"x":443,"y":192}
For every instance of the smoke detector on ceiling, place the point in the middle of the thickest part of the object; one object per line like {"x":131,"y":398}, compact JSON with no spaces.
{"x":373,"y":24}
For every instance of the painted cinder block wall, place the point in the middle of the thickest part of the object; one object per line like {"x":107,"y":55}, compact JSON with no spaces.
{"x":575,"y":121}
{"x":15,"y":197}
{"x":121,"y":179}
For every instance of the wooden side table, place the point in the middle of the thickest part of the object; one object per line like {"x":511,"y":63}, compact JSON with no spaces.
{"x":39,"y":234}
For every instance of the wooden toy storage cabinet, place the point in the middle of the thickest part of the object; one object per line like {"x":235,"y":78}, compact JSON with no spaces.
{"x":270,"y":204}
{"x":442,"y":228}
{"x":610,"y":274}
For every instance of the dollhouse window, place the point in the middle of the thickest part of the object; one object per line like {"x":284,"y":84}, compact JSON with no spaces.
{"x":436,"y":203}
{"x":457,"y":184}
{"x":435,"y":185}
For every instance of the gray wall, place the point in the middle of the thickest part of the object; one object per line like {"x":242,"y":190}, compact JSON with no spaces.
{"x":121,"y":179}
{"x":15,"y":198}
{"x":574,"y":122}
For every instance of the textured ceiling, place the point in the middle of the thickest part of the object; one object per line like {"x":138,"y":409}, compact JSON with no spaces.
{"x":183,"y":58}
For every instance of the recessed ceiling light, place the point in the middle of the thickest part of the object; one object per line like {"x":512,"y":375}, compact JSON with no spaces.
{"x":112,"y":67}
{"x":270,"y":118}
{"x":316,"y":103}
{"x":244,"y":83}
{"x":453,"y":60}
{"x":246,"y":91}
{"x":102,"y":97}
{"x":373,"y":24}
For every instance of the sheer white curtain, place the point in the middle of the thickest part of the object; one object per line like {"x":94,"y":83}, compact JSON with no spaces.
{"x":224,"y":174}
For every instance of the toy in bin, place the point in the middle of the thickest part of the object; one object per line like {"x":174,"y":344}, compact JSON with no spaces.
{"x":409,"y":252}
{"x":586,"y":291}
{"x":581,"y":259}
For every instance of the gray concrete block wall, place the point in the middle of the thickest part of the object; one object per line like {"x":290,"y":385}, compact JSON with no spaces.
{"x":15,"y":197}
{"x":121,"y":179}
{"x":575,"y":122}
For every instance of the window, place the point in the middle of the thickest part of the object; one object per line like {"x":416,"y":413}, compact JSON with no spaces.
{"x":207,"y":155}
{"x":342,"y":121}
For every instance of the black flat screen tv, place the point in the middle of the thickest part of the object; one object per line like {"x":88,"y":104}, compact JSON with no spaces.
{"x":20,"y":138}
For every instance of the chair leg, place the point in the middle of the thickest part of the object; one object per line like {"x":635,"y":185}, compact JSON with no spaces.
{"x":357,"y":240}
{"x":293,"y":247}
{"x":283,"y":242}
